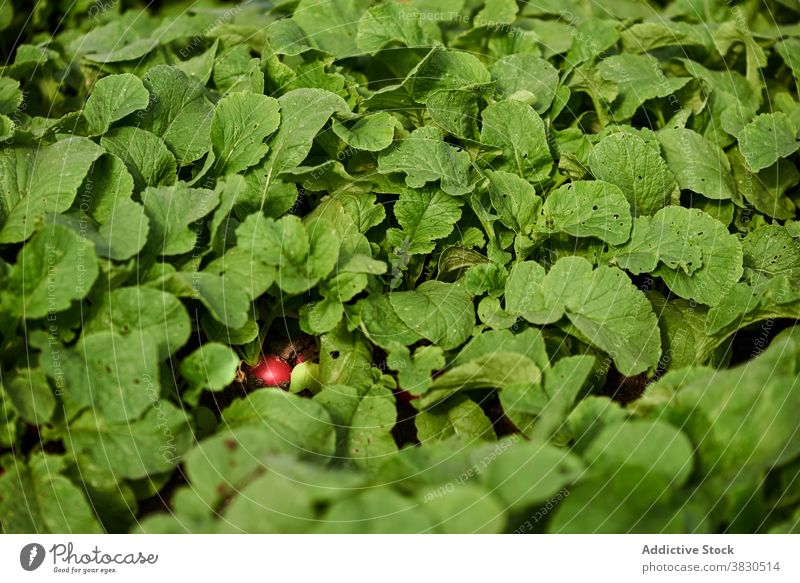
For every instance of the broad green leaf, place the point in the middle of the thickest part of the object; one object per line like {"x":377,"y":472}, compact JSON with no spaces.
{"x":639,"y":78}
{"x":151,"y":445}
{"x":389,"y":23}
{"x":372,"y":133}
{"x":721,"y":255}
{"x":213,"y":367}
{"x":463,"y":418}
{"x":766,"y":190}
{"x":375,"y":511}
{"x":628,"y":501}
{"x":651,"y":446}
{"x":525,"y":474}
{"x":440,"y":312}
{"x":145,"y":155}
{"x":301,"y":423}
{"x":589,"y":208}
{"x":519,"y":132}
{"x":698,"y":165}
{"x":515,"y":200}
{"x":767,"y":139}
{"x":175,"y":213}
{"x":112,"y":98}
{"x":425,"y":157}
{"x":447,"y":69}
{"x":602,"y":304}
{"x":116,"y":376}
{"x":363,"y":422}
{"x":179,"y":113}
{"x":36,"y":181}
{"x":742,"y":416}
{"x":771,"y":251}
{"x":660,"y":239}
{"x":455,"y":111}
{"x":226,"y":301}
{"x":31,"y":396}
{"x":331,"y":25}
{"x":157,"y":315}
{"x":415,"y":374}
{"x":628,"y":162}
{"x":241,"y":123}
{"x":35,"y":496}
{"x":521,"y":75}
{"x":465,"y":509}
{"x":302,"y":254}
{"x":425,"y":216}
{"x":55,"y":268}
{"x":10,"y":95}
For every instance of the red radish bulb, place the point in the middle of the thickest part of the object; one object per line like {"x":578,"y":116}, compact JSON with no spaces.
{"x":272,"y":371}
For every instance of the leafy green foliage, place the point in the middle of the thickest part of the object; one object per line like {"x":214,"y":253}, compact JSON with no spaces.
{"x":536,"y":266}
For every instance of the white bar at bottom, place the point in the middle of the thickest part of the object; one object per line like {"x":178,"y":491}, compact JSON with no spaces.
{"x":403,"y":558}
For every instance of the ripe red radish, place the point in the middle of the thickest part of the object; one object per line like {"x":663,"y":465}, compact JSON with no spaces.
{"x":271,"y":371}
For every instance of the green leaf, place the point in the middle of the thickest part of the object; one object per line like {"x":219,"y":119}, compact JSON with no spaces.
{"x":524,"y":474}
{"x":446,"y":69}
{"x":389,"y":23}
{"x":142,"y":310}
{"x":651,"y":446}
{"x":521,"y":75}
{"x":145,"y":155}
{"x":372,"y":133}
{"x":211,"y":367}
{"x":485,"y":514}
{"x":226,"y":302}
{"x":698,"y":165}
{"x":742,"y":416}
{"x":440,"y":312}
{"x":515,"y":201}
{"x":363,"y":422}
{"x":589,"y":208}
{"x":54,"y":269}
{"x":463,"y":418}
{"x":766,"y":139}
{"x":639,"y":78}
{"x":375,"y":511}
{"x":331,"y":25}
{"x":494,"y":370}
{"x":241,"y":123}
{"x":179,"y":113}
{"x":113,"y":98}
{"x":519,"y":132}
{"x":174,"y":213}
{"x":770,"y":251}
{"x":456,"y":112}
{"x":36,"y":181}
{"x":300,"y":423}
{"x":424,"y":216}
{"x":31,"y":396}
{"x":95,"y":374}
{"x":303,"y":113}
{"x":150,"y":445}
{"x":414,"y":374}
{"x":638,"y":170}
{"x":35,"y":496}
{"x":10,"y":95}
{"x":425,"y":157}
{"x":626,"y":327}
{"x":721,"y":253}
{"x":302,"y":254}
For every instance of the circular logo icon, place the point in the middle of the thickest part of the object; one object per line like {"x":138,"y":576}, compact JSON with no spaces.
{"x":31,"y":556}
